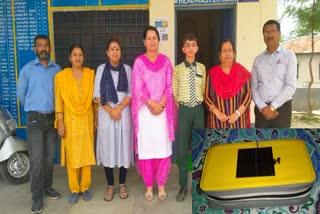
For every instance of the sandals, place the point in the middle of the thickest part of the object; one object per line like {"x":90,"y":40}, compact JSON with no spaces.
{"x":123,"y":192}
{"x":148,"y":194}
{"x":162,"y":195}
{"x":109,"y":194}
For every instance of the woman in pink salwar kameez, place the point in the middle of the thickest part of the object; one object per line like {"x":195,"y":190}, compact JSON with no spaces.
{"x":153,"y":113}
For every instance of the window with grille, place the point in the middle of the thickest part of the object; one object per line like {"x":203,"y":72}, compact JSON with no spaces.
{"x":93,"y":29}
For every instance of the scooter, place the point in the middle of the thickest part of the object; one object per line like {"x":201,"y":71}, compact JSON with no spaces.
{"x":14,"y":161}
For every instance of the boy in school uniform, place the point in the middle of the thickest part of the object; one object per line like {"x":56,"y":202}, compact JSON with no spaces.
{"x":189,"y":79}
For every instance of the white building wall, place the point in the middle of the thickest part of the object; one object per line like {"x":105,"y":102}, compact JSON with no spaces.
{"x":164,"y":9}
{"x":250,"y":19}
{"x":304,"y":73}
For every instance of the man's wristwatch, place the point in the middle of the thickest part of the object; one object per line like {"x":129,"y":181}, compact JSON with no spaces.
{"x":272,"y":108}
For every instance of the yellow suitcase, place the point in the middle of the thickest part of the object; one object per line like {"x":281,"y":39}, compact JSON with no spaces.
{"x":257,"y":174}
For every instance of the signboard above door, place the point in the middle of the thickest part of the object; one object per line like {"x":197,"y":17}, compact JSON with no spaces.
{"x":208,"y":2}
{"x":202,"y":2}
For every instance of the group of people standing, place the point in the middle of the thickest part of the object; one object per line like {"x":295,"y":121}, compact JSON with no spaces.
{"x":138,"y":112}
{"x":227,"y":90}
{"x":271,"y":85}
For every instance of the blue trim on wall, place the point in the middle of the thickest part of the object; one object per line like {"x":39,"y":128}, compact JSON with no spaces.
{"x":64,"y":3}
{"x":68,"y":3}
{"x":21,"y":133}
{"x":123,"y":2}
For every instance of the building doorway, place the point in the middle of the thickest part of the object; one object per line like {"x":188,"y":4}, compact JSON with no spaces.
{"x":211,"y":26}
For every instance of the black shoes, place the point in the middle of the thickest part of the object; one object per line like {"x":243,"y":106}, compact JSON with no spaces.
{"x":37,"y":206}
{"x":51,"y":193}
{"x":74,"y":198}
{"x":87,"y":195}
{"x":182,"y":193}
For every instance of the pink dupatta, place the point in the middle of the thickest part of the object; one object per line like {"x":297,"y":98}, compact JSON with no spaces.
{"x":151,"y":80}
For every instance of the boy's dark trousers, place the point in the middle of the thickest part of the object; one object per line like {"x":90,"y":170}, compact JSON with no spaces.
{"x":188,"y":118}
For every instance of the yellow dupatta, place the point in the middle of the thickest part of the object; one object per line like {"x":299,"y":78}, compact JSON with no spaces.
{"x":76,"y":95}
{"x":76,"y":102}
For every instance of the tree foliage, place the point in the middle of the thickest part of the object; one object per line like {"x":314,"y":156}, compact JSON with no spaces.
{"x":307,"y":19}
{"x":306,"y":14}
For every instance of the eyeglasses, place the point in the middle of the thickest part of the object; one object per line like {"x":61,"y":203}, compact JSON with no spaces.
{"x":265,"y":33}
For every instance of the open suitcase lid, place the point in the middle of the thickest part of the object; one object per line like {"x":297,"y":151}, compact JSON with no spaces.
{"x":261,"y":164}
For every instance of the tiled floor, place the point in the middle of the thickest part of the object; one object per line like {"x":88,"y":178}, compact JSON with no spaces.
{"x":17,"y":198}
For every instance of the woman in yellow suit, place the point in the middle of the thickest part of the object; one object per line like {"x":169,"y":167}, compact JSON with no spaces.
{"x":75,"y":122}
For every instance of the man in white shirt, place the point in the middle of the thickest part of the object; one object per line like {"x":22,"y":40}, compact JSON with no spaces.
{"x":273,"y":81}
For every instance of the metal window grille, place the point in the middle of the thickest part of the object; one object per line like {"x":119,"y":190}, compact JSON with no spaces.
{"x":93,"y":29}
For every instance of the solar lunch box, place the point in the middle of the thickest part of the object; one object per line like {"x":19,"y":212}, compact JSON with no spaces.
{"x":257,"y":174}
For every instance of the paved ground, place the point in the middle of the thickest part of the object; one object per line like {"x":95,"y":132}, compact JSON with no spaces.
{"x":15,"y":199}
{"x":302,"y":120}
